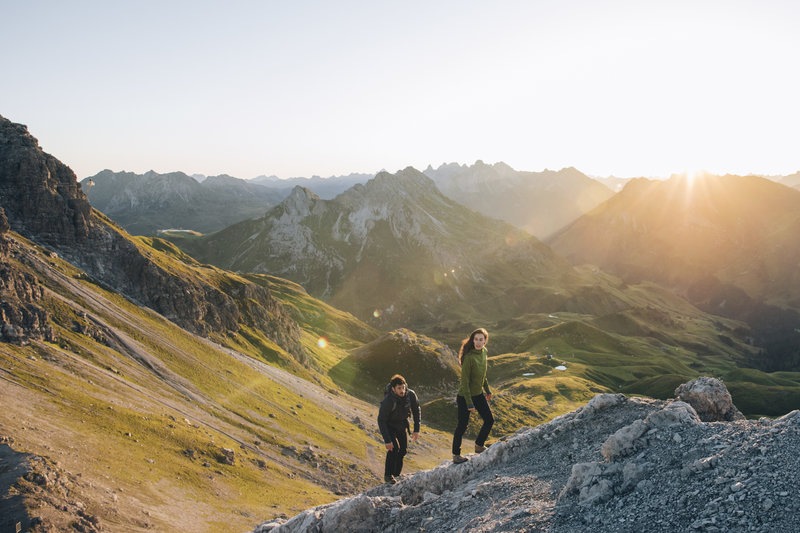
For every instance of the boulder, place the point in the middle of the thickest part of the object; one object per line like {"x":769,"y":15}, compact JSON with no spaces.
{"x":710,"y":399}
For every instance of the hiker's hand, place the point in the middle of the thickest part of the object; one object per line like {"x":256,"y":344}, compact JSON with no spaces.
{"x":488,"y":396}
{"x":389,"y":446}
{"x":415,"y":436}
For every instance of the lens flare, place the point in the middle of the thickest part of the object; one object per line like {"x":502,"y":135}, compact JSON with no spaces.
{"x":322,"y":342}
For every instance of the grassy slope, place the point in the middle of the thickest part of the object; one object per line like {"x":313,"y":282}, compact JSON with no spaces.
{"x":144,"y":410}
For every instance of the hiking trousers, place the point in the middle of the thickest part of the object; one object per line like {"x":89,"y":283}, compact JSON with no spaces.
{"x":394,"y":458}
{"x":482,"y":406}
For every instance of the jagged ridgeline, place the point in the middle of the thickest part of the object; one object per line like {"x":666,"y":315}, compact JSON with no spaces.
{"x":43,"y":202}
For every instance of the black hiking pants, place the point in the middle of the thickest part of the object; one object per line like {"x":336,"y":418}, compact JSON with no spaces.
{"x":394,"y":458}
{"x":482,"y":406}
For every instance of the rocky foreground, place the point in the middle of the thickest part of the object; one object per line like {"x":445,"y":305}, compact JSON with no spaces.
{"x":617,"y":464}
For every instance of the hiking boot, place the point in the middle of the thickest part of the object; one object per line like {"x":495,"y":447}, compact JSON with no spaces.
{"x":389,"y":479}
{"x":457,"y":459}
{"x":481,"y":449}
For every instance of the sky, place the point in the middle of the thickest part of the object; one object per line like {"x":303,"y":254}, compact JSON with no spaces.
{"x":303,"y":88}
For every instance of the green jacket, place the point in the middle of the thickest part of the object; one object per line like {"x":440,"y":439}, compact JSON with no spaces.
{"x":473,"y":375}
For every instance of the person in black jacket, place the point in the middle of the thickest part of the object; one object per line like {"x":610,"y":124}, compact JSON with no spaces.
{"x":399,"y":402}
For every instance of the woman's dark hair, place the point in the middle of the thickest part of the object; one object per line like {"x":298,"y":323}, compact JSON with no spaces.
{"x":468,"y":344}
{"x":396,"y":380}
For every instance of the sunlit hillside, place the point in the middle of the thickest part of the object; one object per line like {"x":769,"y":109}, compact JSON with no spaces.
{"x":727,"y":243}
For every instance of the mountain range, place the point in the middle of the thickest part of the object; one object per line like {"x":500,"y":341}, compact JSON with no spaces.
{"x":145,"y":388}
{"x":143,"y":204}
{"x":395,"y":251}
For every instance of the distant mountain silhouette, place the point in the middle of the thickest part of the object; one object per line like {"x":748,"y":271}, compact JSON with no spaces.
{"x":538,"y":202}
{"x":326,"y":188}
{"x":729,"y":243}
{"x":792,"y":180}
{"x":143,"y":204}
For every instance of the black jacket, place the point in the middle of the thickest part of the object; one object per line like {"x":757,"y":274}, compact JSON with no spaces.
{"x":394,"y":412}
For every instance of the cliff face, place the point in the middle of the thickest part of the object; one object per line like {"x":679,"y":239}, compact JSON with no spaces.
{"x":44,"y":203}
{"x":41,"y":196}
{"x":21,"y":316}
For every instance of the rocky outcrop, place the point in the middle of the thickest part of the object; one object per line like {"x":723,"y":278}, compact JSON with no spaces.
{"x":22,"y":318}
{"x":41,"y":196}
{"x":710,"y":399}
{"x":617,"y":464}
{"x":59,"y":495}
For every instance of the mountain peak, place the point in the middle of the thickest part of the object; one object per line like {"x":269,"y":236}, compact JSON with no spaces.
{"x":408,"y":181}
{"x":40,"y":194}
{"x":300,"y":202}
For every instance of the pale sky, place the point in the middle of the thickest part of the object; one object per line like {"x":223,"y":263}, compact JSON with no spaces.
{"x":302,"y":88}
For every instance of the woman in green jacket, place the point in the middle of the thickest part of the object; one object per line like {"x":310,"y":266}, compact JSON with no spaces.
{"x":474,"y":393}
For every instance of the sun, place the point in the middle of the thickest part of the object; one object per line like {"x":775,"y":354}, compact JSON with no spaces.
{"x":692,"y":175}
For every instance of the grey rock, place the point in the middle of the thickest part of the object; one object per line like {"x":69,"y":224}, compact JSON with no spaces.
{"x":525,"y":484}
{"x":710,"y":399}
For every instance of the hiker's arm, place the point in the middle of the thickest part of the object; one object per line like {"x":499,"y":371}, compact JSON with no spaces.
{"x":383,"y":424}
{"x":466,"y":373}
{"x":416,"y":413}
